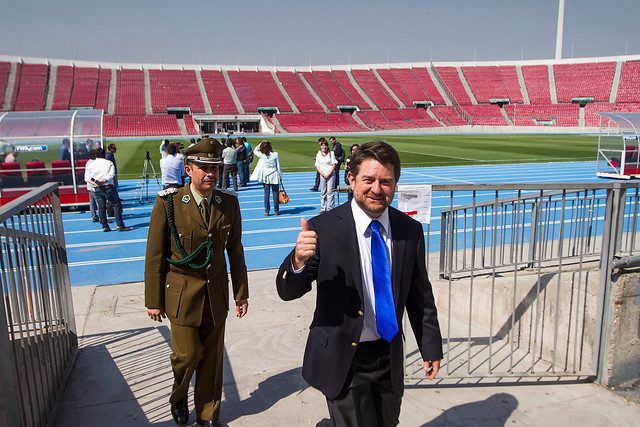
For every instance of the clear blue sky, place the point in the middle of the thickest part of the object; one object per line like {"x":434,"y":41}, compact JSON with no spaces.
{"x":301,"y":32}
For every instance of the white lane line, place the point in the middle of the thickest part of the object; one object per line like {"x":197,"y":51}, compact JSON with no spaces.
{"x":89,"y":244}
{"x":141,"y":258}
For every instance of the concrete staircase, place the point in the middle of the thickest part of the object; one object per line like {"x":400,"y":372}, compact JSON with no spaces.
{"x":523,"y":86}
{"x":362,"y":93}
{"x":388,"y":89}
{"x":313,"y":93}
{"x":147,"y":93}
{"x":616,"y":83}
{"x":233,"y":93}
{"x":113,"y":84}
{"x":203,"y":93}
{"x":552,"y":85}
{"x":6,"y":106}
{"x":467,"y":88}
{"x":53,"y":77}
{"x":293,"y":106}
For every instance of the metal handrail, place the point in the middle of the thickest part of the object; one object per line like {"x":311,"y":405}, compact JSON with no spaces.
{"x":40,"y":346}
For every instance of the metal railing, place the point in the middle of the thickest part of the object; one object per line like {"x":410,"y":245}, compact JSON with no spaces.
{"x":530,"y":225}
{"x":40,"y":346}
{"x":525,"y":277}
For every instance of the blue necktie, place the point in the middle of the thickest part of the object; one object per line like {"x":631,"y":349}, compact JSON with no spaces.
{"x":385,"y":308}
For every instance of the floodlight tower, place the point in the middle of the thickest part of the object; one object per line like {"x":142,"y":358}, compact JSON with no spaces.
{"x":560,"y":29}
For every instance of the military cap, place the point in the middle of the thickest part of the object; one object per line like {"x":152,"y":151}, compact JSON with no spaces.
{"x":209,"y":150}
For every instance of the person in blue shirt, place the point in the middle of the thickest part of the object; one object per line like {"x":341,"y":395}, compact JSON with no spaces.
{"x":65,"y":151}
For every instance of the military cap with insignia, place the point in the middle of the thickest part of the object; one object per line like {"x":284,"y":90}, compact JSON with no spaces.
{"x":209,"y":150}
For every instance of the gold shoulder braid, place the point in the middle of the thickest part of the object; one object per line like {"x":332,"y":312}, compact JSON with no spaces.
{"x":186,"y":259}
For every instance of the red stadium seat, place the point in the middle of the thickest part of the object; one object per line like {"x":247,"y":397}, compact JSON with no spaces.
{"x":61,"y":171}
{"x":11,"y":175}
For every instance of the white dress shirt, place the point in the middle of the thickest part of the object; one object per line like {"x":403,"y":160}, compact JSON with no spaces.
{"x":363,"y":232}
{"x":100,"y":169}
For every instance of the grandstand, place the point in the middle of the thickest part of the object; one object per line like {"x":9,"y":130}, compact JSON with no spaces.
{"x":153,"y":100}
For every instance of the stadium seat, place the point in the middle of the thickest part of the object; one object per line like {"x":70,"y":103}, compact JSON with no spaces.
{"x":80,"y":166}
{"x":37,"y":174}
{"x":61,"y":171}
{"x":11,"y":175}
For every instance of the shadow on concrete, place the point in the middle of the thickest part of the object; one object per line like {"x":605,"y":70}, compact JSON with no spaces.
{"x":99,"y":390}
{"x":493,"y":411}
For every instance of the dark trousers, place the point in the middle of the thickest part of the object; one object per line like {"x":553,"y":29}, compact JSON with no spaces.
{"x":233,"y":170}
{"x":317,"y":184}
{"x":105,"y":194}
{"x":368,"y":398}
{"x":336,"y":172}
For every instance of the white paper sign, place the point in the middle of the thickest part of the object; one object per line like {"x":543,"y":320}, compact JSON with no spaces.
{"x":415,"y":201}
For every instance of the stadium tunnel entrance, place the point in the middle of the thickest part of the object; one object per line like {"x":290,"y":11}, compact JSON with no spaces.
{"x":230,"y":124}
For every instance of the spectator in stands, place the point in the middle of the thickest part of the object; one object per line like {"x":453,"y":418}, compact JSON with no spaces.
{"x":338,"y":152}
{"x":317,"y":183}
{"x":100,"y":173}
{"x":11,"y":157}
{"x":241,"y":157}
{"x":110,"y":155}
{"x":163,"y":148}
{"x":172,"y":169}
{"x":65,"y":150}
{"x":326,"y":165}
{"x":269,"y":172}
{"x":229,"y":159}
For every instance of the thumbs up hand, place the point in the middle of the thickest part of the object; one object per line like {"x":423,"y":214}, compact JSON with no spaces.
{"x":305,"y":245}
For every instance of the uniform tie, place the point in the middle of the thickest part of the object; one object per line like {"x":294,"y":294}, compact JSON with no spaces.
{"x":204,"y":211}
{"x":386,"y":320}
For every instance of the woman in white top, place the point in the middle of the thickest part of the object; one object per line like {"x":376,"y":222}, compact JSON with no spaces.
{"x":268,"y":172}
{"x":326,"y":164}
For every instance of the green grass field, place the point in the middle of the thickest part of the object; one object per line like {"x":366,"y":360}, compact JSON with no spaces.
{"x":297,"y":153}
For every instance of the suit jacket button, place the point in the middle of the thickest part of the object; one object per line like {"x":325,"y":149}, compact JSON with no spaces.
{"x":354,"y":344}
{"x":360,"y":313}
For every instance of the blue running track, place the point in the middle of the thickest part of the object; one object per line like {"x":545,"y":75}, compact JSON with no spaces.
{"x":98,"y":258}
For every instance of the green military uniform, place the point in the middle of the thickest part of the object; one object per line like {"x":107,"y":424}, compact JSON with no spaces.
{"x":195,"y":294}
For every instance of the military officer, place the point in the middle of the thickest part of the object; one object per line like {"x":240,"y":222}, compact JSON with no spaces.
{"x":186,"y":278}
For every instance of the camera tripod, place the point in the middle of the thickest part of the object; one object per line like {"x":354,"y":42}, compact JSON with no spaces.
{"x":145,"y":177}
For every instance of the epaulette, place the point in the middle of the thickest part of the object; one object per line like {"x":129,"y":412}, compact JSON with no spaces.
{"x":167,"y":191}
{"x":229,"y":192}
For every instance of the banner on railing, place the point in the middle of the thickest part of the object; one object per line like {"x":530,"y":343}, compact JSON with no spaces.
{"x":415,"y":201}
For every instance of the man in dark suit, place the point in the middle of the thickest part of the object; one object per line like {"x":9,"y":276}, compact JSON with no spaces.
{"x":354,"y":352}
{"x":186,"y":278}
{"x":339,"y":153}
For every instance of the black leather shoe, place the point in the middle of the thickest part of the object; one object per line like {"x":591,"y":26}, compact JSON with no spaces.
{"x":213,"y":423}
{"x":180,"y":411}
